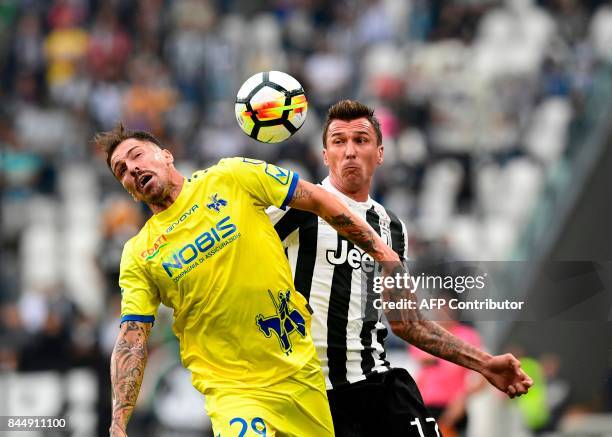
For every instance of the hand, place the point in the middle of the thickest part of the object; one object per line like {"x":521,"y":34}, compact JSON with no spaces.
{"x":117,"y":431}
{"x":505,"y":373}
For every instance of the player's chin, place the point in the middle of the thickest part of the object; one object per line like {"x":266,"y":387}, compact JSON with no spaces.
{"x":352,"y":177}
{"x":152,"y":193}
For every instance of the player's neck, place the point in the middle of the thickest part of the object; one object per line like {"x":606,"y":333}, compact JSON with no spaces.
{"x":359,"y":195}
{"x":175,"y":186}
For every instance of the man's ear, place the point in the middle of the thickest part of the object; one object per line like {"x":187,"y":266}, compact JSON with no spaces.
{"x":381,"y":154}
{"x":167,"y":156}
{"x":325,"y":161}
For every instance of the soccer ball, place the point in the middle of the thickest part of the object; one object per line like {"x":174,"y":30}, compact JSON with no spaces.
{"x":271,"y":106}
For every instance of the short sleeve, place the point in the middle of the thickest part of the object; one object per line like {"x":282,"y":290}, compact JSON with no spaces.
{"x":268,"y":184}
{"x":139,"y":296}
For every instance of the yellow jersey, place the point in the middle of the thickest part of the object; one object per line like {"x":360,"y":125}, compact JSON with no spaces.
{"x":214,"y":257}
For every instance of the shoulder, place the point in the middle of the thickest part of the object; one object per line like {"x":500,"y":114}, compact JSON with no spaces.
{"x":397,"y":224}
{"x":236,"y":162}
{"x":223,"y":169}
{"x":236,"y":166}
{"x":130,"y":249}
{"x":394,"y":219}
{"x":137,"y":243}
{"x":224,"y":166}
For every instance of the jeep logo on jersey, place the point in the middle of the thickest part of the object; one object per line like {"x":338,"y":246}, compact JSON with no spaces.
{"x":216,"y":203}
{"x":286,"y":321}
{"x":355,"y":257}
{"x":184,"y":216}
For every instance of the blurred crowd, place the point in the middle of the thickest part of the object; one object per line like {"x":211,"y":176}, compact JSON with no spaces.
{"x":476,"y":99}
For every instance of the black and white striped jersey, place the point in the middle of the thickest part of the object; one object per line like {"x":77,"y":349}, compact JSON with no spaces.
{"x":346,"y":328}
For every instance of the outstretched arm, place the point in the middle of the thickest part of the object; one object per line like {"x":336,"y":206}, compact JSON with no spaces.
{"x":502,"y":371}
{"x":313,"y":198}
{"x":128,"y":362}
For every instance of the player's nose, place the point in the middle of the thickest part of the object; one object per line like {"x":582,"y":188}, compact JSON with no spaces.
{"x":350,"y":149}
{"x":133,"y":169}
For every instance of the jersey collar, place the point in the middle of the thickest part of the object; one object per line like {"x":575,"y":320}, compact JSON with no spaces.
{"x":329,"y":187}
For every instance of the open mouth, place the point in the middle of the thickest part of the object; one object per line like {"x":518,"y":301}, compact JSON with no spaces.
{"x":144,"y":179}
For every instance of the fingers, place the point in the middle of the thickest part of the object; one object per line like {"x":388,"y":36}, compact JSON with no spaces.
{"x":517,"y":389}
{"x":526,"y":380}
{"x":520,"y":388}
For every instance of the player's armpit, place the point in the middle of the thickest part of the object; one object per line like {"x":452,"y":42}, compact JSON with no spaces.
{"x":128,"y":362}
{"x":313,"y":198}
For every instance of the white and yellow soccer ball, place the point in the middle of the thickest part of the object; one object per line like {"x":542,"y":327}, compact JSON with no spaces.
{"x":271,"y":106}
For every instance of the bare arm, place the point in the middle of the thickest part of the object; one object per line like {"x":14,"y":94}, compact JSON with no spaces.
{"x":432,"y":338}
{"x":128,"y":362}
{"x":313,"y":198}
{"x":502,"y":371}
{"x":408,"y":324}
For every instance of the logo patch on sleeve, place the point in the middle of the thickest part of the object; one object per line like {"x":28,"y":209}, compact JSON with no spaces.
{"x":278,"y":173}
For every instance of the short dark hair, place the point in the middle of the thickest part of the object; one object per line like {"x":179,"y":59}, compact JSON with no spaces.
{"x":347,"y":110}
{"x":109,"y":140}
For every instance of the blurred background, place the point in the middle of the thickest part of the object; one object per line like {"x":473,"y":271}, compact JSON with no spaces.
{"x":497,"y":127}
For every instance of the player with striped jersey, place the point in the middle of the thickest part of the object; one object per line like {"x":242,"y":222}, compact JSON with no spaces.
{"x":367,"y":397}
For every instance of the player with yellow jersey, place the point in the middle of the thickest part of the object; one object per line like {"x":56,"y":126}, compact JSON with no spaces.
{"x":210,"y":253}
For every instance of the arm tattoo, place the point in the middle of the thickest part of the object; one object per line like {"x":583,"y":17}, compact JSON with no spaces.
{"x":362,"y":236}
{"x":340,"y":220}
{"x":427,"y":335}
{"x":302,"y":193}
{"x":127,"y":369}
{"x":432,"y":338}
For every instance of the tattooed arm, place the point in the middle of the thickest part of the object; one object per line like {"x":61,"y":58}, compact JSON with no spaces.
{"x":313,"y":198}
{"x":127,"y":369}
{"x":502,"y":371}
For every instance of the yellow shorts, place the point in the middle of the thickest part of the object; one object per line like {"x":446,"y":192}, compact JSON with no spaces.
{"x":294,"y":407}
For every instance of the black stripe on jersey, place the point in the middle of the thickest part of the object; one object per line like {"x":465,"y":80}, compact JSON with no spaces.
{"x":398,"y":240}
{"x":289,"y":222}
{"x":307,"y":254}
{"x":381,"y":334}
{"x":398,"y":244}
{"x":337,"y":319}
{"x":307,"y":223}
{"x":370,"y":313}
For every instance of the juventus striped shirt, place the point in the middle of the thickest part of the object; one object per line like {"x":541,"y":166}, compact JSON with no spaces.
{"x":346,"y":328}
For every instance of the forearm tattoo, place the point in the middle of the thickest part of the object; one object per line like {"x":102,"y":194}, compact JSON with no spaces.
{"x":361,"y":235}
{"x":301,"y":193}
{"x":412,"y":326}
{"x":432,"y":338}
{"x":127,"y":369}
